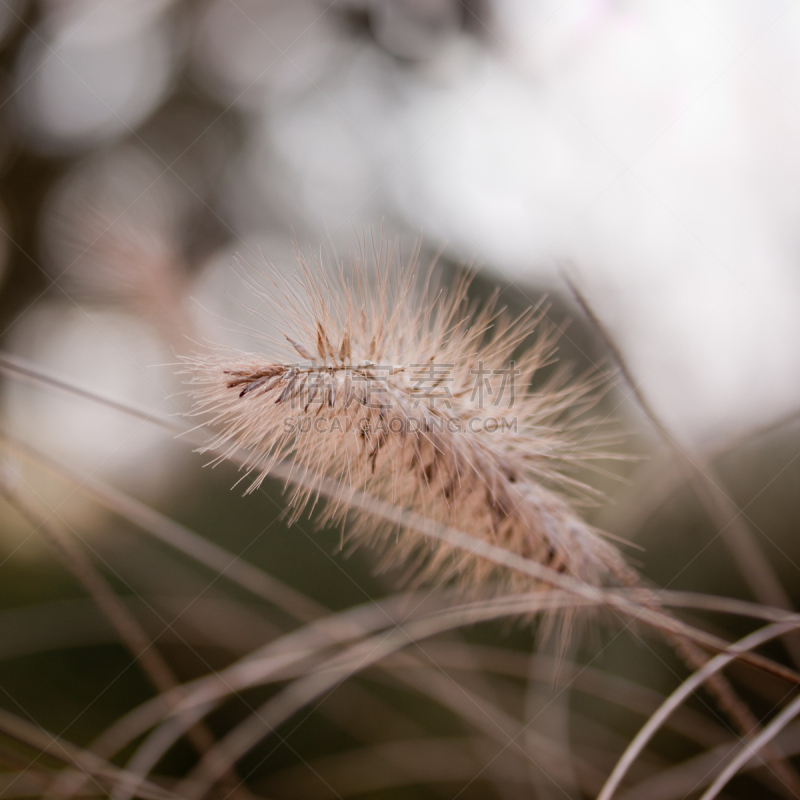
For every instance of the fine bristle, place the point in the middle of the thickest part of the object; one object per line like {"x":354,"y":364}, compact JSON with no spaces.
{"x":422,"y":400}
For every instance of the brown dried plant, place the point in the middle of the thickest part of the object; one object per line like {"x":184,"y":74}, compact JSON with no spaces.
{"x":416,"y":397}
{"x":351,"y":362}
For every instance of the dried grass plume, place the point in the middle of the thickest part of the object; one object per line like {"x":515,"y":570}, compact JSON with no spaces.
{"x":420,"y":398}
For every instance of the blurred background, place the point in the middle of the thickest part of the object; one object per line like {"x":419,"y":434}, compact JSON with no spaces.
{"x":649,"y":149}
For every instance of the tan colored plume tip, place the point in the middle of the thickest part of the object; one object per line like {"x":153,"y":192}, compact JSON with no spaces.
{"x":423,"y":400}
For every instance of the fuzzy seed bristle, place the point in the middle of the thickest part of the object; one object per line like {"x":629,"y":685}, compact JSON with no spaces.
{"x":415,"y":399}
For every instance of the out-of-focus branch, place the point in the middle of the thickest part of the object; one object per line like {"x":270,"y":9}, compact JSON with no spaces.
{"x":726,"y":516}
{"x":130,"y":631}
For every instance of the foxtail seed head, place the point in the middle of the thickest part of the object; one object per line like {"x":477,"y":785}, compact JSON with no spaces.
{"x":415,"y":398}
